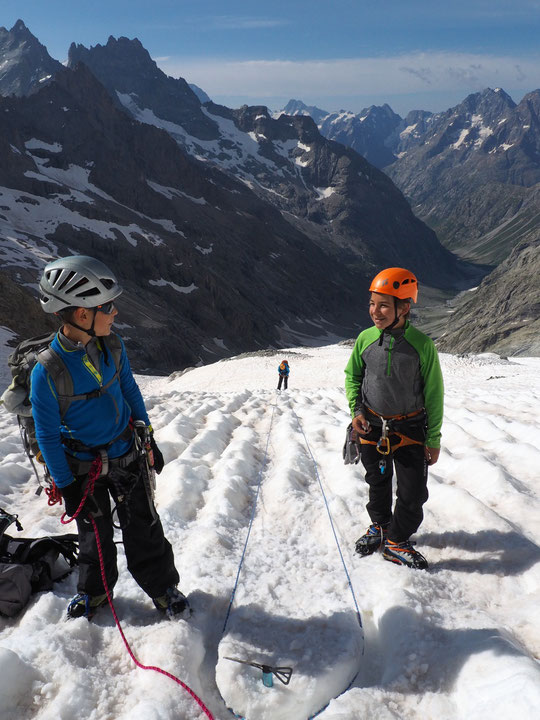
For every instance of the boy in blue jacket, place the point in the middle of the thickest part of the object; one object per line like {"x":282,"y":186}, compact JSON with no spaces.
{"x":99,"y":420}
{"x":283,"y":372}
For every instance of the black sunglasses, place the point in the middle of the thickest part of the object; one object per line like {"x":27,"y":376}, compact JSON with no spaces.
{"x":106,"y":308}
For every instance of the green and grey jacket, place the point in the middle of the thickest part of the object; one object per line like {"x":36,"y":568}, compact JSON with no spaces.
{"x":399,"y":377}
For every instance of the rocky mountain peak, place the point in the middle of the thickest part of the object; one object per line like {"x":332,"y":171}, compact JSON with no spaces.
{"x":121,"y":55}
{"x":20,"y":30}
{"x":381,"y":111}
{"x":364,"y":132}
{"x":26,"y":64}
{"x":489,"y":103}
{"x":531,"y":104}
{"x":128,"y":72}
{"x":297,"y":107}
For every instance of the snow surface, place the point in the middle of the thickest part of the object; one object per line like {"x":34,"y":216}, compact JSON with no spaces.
{"x":458,"y":641}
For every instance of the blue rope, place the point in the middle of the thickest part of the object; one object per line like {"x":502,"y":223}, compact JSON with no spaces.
{"x":263,"y":465}
{"x":330,"y":518}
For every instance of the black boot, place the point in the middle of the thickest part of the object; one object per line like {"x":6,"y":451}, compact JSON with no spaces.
{"x":403,"y":553}
{"x":373,"y":539}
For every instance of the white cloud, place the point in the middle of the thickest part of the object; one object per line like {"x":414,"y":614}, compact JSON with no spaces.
{"x":402,"y":74}
{"x":232,"y":22}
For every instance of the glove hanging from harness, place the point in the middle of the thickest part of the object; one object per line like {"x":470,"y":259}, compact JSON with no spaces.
{"x":143,"y":444}
{"x":158,"y":460}
{"x":351,"y":447}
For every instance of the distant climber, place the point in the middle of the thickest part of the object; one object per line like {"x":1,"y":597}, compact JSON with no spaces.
{"x":283,"y":372}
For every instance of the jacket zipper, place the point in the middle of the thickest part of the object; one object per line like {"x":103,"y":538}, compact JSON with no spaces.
{"x":389,"y":361}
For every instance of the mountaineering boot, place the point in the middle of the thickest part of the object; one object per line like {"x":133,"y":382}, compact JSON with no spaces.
{"x":403,"y":553}
{"x":373,"y":539}
{"x":85,"y":605}
{"x":174,"y":604}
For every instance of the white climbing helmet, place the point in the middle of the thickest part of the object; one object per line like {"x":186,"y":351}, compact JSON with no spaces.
{"x":77,"y":281}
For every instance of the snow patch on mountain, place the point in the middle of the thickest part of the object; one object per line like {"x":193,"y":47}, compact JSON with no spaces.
{"x":35,"y":144}
{"x":162,"y":283}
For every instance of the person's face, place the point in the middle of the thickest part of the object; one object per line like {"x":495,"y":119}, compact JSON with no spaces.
{"x":382,"y":311}
{"x":103,"y":320}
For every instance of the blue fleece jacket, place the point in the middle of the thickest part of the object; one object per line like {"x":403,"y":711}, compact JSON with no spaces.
{"x":94,"y":422}
{"x":283,"y":369}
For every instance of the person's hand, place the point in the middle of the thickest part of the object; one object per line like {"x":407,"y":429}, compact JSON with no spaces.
{"x":361,"y":425}
{"x":159,"y":462}
{"x":72,"y":495}
{"x":432,"y":455}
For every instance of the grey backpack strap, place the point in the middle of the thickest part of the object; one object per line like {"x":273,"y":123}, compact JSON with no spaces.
{"x":114,"y":345}
{"x":61,"y":376}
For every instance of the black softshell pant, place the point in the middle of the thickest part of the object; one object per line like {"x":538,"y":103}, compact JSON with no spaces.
{"x":149,"y":554}
{"x":283,"y":379}
{"x":411,"y":482}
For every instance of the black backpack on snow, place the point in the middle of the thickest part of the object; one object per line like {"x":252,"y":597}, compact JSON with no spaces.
{"x":16,"y":398}
{"x":29,"y":565}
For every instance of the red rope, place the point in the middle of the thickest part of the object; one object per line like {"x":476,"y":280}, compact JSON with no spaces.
{"x":53,"y":494}
{"x":94,"y":473}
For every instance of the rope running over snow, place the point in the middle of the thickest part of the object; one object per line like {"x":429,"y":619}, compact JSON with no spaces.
{"x":329,"y":516}
{"x":94,"y":473}
{"x":259,"y":481}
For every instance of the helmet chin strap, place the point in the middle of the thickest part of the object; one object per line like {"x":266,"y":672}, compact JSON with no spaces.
{"x":392,"y":324}
{"x":89,"y":331}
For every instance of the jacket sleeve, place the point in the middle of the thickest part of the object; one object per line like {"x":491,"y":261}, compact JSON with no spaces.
{"x":433,"y":393}
{"x":354,"y":375}
{"x":131,"y":391}
{"x":46,"y":414}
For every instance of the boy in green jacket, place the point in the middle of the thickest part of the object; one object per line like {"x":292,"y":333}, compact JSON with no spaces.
{"x":395,"y":392}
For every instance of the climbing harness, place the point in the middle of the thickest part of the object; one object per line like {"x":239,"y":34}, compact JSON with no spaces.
{"x":383,"y":445}
{"x":95,"y":472}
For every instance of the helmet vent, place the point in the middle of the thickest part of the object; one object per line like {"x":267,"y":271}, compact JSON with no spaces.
{"x":65,"y":281}
{"x":87,"y":293}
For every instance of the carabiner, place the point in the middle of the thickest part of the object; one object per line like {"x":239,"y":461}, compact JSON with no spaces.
{"x":384,"y":441}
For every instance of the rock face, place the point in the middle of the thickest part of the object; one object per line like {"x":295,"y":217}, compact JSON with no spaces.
{"x":209,"y":269}
{"x":473,"y":170}
{"x":327,"y":191}
{"x":470,"y":172}
{"x":366,"y":132}
{"x":128,"y":72}
{"x":25,"y":64}
{"x":503,"y":314}
{"x":377,"y":132}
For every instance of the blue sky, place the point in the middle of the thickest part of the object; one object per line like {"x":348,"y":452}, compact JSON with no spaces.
{"x":412,"y":54}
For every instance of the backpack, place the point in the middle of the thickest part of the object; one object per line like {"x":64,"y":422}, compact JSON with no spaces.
{"x":30,"y":565}
{"x":16,"y":398}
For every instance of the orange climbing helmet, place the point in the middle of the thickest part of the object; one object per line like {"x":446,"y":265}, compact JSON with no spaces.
{"x":398,"y":282}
